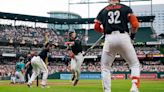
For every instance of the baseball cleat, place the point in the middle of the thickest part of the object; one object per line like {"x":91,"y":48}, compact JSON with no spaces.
{"x":73,"y":77}
{"x":29,"y":85}
{"x":134,"y":88}
{"x":75,"y":82}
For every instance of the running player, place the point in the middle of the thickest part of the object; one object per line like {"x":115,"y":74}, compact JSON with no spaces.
{"x":75,"y":52}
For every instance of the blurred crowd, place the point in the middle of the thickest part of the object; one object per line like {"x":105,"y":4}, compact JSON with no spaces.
{"x":61,"y":52}
{"x":146,"y":50}
{"x":118,"y":66}
{"x":26,"y":34}
{"x":6,"y":70}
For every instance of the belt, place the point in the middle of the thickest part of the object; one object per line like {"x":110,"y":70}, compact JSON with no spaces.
{"x":116,"y":32}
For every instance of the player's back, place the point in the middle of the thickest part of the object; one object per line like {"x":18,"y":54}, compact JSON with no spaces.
{"x":115,"y":17}
{"x":76,"y":47}
{"x":43,"y":54}
{"x":19,"y":66}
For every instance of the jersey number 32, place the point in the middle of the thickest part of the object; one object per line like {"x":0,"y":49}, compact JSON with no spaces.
{"x":114,"y":17}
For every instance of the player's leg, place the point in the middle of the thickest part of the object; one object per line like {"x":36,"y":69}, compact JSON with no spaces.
{"x":26,"y":76}
{"x":33,"y":77}
{"x":30,"y":74}
{"x":127,"y":51}
{"x":36,"y":72}
{"x":107,"y":58}
{"x":44,"y":70}
{"x":14,"y":79}
{"x":79,"y":60}
{"x":17,"y":76}
{"x":73,"y":68}
{"x":22,"y":80}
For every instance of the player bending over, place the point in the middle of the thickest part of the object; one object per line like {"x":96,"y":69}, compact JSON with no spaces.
{"x":39,"y":66}
{"x":75,"y":52}
{"x":114,"y":18}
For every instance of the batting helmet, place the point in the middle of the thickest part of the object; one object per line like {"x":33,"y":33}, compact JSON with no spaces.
{"x":21,"y":58}
{"x":71,"y":30}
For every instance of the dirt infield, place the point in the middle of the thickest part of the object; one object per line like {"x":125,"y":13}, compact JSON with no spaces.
{"x":7,"y":83}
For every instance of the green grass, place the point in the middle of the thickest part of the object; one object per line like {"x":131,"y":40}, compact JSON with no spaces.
{"x":84,"y":86}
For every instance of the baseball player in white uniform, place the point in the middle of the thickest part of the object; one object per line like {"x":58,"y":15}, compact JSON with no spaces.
{"x":39,"y":66}
{"x":75,"y":52}
{"x":114,"y":19}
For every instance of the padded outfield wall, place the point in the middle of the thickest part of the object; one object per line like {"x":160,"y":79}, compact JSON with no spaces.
{"x":115,"y":75}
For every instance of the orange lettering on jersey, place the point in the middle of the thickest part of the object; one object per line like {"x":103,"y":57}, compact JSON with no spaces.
{"x":113,"y":7}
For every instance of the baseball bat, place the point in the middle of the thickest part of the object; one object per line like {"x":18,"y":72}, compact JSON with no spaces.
{"x":98,"y":41}
{"x":37,"y":81}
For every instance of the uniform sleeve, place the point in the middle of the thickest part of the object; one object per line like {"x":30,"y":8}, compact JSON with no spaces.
{"x":129,"y":10}
{"x":23,"y":65}
{"x":69,"y":46}
{"x":99,"y":16}
{"x":78,"y":42}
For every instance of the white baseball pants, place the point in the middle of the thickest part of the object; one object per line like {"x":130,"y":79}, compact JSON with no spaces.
{"x":117,"y":43}
{"x":76,"y":64}
{"x":38,"y":67}
{"x":13,"y":79}
{"x":19,"y":77}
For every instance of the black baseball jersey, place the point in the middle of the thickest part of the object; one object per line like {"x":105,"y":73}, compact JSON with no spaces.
{"x":43,"y":54}
{"x":114,"y":18}
{"x":29,"y":68}
{"x":76,"y":47}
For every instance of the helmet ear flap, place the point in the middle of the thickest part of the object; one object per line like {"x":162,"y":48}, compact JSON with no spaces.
{"x":70,"y":34}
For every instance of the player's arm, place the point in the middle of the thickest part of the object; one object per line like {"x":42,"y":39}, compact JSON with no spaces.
{"x":22,"y":69}
{"x":27,"y":64}
{"x":134,"y":24}
{"x":97,"y":26}
{"x":71,"y":54}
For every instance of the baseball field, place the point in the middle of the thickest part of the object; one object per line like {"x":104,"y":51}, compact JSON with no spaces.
{"x":83,"y":86}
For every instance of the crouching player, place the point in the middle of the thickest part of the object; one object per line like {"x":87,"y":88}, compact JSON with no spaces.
{"x":75,"y":52}
{"x":19,"y":74}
